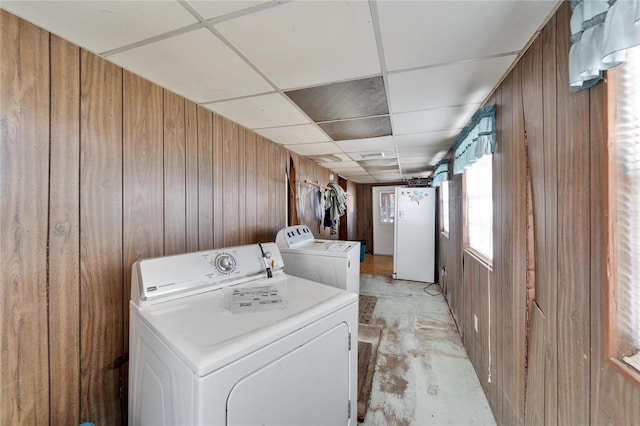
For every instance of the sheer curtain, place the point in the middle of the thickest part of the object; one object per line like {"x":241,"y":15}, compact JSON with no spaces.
{"x":601,"y":32}
{"x":627,"y":213}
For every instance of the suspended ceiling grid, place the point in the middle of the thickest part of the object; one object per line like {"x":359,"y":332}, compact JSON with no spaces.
{"x":373,"y":90}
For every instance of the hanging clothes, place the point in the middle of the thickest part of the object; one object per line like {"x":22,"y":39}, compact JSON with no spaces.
{"x":335,"y":205}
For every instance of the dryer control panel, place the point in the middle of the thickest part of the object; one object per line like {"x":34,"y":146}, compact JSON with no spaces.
{"x":169,"y":277}
{"x":293,"y":236}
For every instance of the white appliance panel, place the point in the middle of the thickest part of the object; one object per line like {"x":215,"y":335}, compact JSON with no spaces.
{"x":340,"y":272}
{"x":316,"y":391}
{"x":160,"y":386}
{"x":189,"y":353}
{"x":332,"y":262}
{"x":414,"y":234}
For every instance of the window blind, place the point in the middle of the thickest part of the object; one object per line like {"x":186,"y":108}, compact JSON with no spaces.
{"x":444,"y":188}
{"x":627,"y":213}
{"x":479,"y":207}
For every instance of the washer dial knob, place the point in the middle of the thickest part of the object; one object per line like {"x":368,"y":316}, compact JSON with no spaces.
{"x":225,"y":263}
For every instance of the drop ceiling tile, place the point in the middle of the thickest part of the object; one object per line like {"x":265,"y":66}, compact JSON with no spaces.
{"x":415,"y":160}
{"x":99,"y":26}
{"x":359,"y":128}
{"x":257,"y":112}
{"x":434,"y":119}
{"x":364,"y":178}
{"x":387,"y":175}
{"x":418,"y":151}
{"x":292,"y":135}
{"x":417,"y":170}
{"x":307,"y":43}
{"x":206,"y":71}
{"x":213,"y":9}
{"x":315,"y":148}
{"x":370,"y":155}
{"x":340,"y":159}
{"x":455,"y":84}
{"x":367,"y":144}
{"x":338,"y":101}
{"x":460,"y":29}
{"x":351,"y":169}
{"x":442,"y":138}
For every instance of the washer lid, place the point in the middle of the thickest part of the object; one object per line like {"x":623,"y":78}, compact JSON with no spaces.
{"x":206,"y":334}
{"x":334,"y":246}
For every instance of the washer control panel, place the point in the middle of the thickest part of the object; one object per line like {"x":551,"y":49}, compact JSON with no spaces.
{"x":171,"y":276}
{"x":293,"y":236}
{"x":225,"y":263}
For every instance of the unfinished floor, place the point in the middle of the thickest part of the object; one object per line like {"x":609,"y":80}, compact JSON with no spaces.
{"x":423,"y":375}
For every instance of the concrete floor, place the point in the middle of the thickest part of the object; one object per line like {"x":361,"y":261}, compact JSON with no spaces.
{"x":423,"y":375}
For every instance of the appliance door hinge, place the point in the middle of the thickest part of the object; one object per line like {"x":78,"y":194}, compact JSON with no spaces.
{"x":349,"y":409}
{"x":349,"y":342}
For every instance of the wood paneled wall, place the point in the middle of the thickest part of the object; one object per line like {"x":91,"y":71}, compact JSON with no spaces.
{"x":546,"y":362}
{"x":98,"y":168}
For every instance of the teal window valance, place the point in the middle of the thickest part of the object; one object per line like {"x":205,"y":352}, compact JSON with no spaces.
{"x":441,"y":173}
{"x":476,"y":140}
{"x":601,"y":32}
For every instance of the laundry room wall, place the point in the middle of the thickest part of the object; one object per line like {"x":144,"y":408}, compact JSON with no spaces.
{"x":539,"y":349}
{"x":98,"y":168}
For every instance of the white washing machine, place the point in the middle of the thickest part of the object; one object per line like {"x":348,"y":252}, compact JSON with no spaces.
{"x":332,"y":262}
{"x":226,"y":337}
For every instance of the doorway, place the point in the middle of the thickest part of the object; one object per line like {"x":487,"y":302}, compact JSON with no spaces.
{"x":383,"y":199}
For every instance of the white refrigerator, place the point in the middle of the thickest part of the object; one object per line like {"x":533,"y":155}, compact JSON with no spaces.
{"x":414,"y":234}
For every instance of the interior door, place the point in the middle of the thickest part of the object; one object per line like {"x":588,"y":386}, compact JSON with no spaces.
{"x":383,"y":198}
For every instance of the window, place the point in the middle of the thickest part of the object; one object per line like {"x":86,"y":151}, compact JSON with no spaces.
{"x":479,"y":208}
{"x":623,"y":332}
{"x":444,"y":206}
{"x":387,"y":206}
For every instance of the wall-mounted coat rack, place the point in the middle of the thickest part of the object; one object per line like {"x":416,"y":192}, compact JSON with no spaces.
{"x":315,"y":184}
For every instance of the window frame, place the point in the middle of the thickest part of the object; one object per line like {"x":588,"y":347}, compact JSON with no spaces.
{"x":445,"y":219}
{"x":466,"y":245}
{"x":611,"y":352}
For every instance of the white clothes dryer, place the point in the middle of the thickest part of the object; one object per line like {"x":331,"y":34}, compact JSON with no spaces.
{"x":332,"y":262}
{"x":226,"y":337}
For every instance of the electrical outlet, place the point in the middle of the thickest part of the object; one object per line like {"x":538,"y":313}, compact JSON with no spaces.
{"x":475,"y":323}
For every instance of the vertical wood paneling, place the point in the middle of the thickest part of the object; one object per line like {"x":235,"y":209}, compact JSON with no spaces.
{"x":534,"y":410}
{"x":573,"y":242}
{"x":251,"y":188}
{"x":191,"y":175}
{"x":175,"y":215}
{"x":533,"y":115}
{"x":64,"y":234}
{"x":364,"y":229}
{"x":205,"y":179}
{"x":518,"y":247}
{"x":101,"y":266}
{"x":242,"y":186}
{"x":262,"y":173}
{"x":282,"y":158}
{"x":274,"y":202}
{"x":142,"y":174}
{"x":547,"y":286}
{"x":352,"y":212}
{"x":218,"y":180}
{"x":24,"y":172}
{"x":496,"y":275}
{"x":231,"y":189}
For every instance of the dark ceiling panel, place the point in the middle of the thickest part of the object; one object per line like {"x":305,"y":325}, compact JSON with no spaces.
{"x":339,"y":101}
{"x":370,"y":127}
